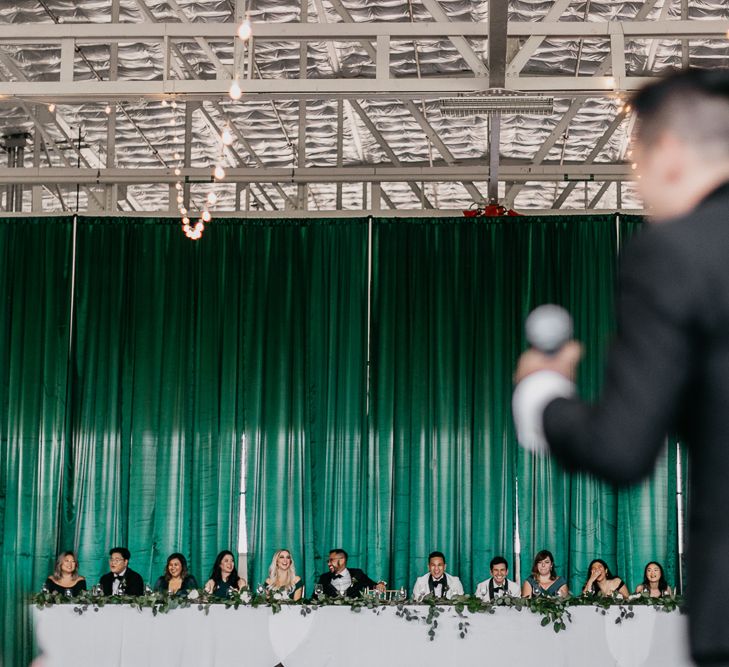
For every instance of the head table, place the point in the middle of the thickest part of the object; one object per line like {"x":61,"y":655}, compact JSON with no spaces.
{"x":335,"y":635}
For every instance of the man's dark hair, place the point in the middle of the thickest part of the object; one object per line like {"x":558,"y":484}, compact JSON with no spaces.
{"x":693,"y":104}
{"x":122,"y":551}
{"x":436,"y":554}
{"x":498,"y":560}
{"x":340,"y":552}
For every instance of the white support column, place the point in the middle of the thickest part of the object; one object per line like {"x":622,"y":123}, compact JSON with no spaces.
{"x":37,"y":190}
{"x":383,"y":57}
{"x":67,"y":55}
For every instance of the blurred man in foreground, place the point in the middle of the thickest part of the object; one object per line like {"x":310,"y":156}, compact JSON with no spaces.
{"x":668,"y":368}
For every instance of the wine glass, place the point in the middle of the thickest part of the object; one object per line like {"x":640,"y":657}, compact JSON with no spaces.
{"x":318,"y":590}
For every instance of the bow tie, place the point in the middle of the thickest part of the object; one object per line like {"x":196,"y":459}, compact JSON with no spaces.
{"x":499,"y":588}
{"x":118,"y":576}
{"x":337,"y":576}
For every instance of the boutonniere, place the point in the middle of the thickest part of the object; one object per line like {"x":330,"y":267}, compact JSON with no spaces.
{"x":354,"y":581}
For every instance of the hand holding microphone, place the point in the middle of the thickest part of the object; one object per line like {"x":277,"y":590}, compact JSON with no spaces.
{"x":549,"y":332}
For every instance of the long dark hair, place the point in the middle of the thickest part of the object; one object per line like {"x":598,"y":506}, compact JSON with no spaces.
{"x":595,"y":588}
{"x":217,"y":577}
{"x":183,"y":563}
{"x":662,"y":583}
{"x":540,"y":557}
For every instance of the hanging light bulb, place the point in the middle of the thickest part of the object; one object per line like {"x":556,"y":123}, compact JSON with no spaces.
{"x":178,"y":171}
{"x":245,"y":30}
{"x":186,"y":221}
{"x":227,"y":137}
{"x":164,"y":102}
{"x":178,"y":185}
{"x":206,"y":216}
{"x":183,"y":210}
{"x":199,"y":227}
{"x":219,"y":172}
{"x":212,"y":198}
{"x":180,"y":199}
{"x":107,"y":109}
{"x":173,"y":104}
{"x":235,"y":91}
{"x":176,"y":156}
{"x":51,"y":107}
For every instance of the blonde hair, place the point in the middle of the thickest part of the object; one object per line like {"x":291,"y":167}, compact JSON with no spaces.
{"x":273,"y":578}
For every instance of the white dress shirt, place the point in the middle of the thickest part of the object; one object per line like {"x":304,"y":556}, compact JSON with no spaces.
{"x":343,"y":582}
{"x":482,"y":590}
{"x":421,"y":588}
{"x":531,"y":397}
{"x":117,"y":583}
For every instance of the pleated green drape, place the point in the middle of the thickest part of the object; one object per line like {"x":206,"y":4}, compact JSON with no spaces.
{"x":35,"y":287}
{"x":371,"y":416}
{"x":305,"y":352}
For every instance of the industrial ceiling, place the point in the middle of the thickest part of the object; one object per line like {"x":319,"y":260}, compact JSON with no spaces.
{"x":121,"y":106}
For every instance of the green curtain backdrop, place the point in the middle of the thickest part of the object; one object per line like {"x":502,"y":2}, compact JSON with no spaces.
{"x":370,"y":416}
{"x":35,"y":287}
{"x":304,"y":362}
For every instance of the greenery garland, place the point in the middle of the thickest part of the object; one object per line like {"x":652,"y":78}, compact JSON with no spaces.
{"x":553,"y":610}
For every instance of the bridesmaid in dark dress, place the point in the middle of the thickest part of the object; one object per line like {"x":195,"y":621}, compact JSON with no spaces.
{"x":544,"y":579}
{"x":224,"y":578}
{"x":65,"y":578}
{"x":176,"y":580}
{"x":602,"y":582}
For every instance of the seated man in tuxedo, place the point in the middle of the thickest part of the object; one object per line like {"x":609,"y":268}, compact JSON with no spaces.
{"x":497,"y":585}
{"x":437,"y":582}
{"x":122,"y":580}
{"x":345,"y":581}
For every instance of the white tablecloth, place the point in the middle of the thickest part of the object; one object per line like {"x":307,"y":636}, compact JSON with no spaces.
{"x":247,"y":637}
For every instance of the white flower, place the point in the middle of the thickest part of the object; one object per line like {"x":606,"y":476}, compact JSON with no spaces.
{"x":193,"y":595}
{"x":278,"y":595}
{"x":245,"y":597}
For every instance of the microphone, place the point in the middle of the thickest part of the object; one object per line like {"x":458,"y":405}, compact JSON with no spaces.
{"x":548,"y":328}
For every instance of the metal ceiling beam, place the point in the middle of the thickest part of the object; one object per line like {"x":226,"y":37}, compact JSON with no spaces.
{"x":592,"y":156}
{"x":471,"y":58}
{"x":32,"y":33}
{"x":379,"y":173}
{"x":377,"y":136}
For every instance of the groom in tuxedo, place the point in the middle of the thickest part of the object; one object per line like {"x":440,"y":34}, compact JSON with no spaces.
{"x":668,"y":367}
{"x":122,"y":580}
{"x":345,"y":581}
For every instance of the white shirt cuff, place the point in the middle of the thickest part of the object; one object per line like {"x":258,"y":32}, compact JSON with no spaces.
{"x":531,"y":397}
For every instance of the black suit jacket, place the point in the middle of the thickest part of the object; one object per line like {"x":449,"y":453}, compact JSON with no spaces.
{"x":668,"y":370}
{"x":360,"y":581}
{"x":133,"y":583}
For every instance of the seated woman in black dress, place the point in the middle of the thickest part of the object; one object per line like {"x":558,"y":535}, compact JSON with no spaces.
{"x":65,"y":578}
{"x":176,"y":580}
{"x":224,"y":578}
{"x":282,"y":577}
{"x":654,"y":581}
{"x":602,"y":582}
{"x":544,"y":579}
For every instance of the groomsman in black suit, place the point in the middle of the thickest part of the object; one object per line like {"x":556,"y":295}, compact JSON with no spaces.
{"x":668,"y":368}
{"x":345,"y":581}
{"x":122,"y":580}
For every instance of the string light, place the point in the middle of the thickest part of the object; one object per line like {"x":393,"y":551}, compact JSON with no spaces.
{"x":51,"y":107}
{"x":206,"y":216}
{"x":212,"y":198}
{"x":227,"y":137}
{"x":245,"y":30}
{"x":219,"y":173}
{"x":107,"y":109}
{"x":178,"y":171}
{"x":235,"y":91}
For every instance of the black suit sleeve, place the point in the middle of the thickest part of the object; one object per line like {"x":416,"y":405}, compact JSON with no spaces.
{"x":134,"y":583}
{"x":649,"y":370}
